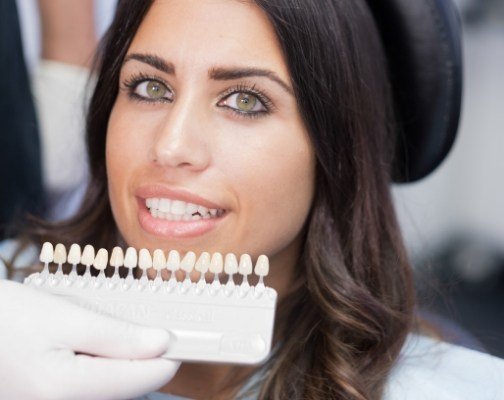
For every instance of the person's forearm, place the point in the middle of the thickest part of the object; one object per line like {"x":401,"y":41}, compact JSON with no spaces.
{"x":68,"y":31}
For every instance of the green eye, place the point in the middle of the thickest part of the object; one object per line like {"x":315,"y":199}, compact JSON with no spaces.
{"x":245,"y":102}
{"x":153,"y":90}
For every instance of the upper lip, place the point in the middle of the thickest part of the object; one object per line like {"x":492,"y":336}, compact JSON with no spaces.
{"x":162,"y":191}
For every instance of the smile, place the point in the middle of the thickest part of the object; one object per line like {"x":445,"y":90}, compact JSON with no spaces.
{"x":178,"y":210}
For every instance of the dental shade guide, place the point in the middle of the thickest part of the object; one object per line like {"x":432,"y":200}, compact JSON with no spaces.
{"x":210,"y":322}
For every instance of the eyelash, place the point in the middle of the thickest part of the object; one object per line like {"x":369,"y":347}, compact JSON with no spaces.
{"x":131,"y":84}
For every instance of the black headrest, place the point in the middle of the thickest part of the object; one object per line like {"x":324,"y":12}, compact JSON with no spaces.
{"x":422,"y":40}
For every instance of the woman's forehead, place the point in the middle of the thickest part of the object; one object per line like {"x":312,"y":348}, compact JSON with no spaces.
{"x":203,"y":34}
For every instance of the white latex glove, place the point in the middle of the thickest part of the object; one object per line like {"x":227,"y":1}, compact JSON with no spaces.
{"x":40,"y":335}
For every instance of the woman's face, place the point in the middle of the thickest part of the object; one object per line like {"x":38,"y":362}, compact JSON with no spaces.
{"x":206,"y":149}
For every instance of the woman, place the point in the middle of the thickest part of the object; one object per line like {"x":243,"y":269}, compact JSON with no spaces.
{"x":278,"y":116}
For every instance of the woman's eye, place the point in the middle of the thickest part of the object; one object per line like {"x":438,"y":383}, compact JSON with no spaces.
{"x":153,"y":90}
{"x":244,"y":102}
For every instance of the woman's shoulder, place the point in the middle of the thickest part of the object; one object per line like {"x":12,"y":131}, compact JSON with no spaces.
{"x":431,"y":369}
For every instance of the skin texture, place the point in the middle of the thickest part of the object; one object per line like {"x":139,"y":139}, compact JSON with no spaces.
{"x":261,"y":170}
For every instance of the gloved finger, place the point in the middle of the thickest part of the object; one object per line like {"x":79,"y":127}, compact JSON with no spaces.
{"x":101,"y":335}
{"x":97,"y":378}
{"x":67,"y":325}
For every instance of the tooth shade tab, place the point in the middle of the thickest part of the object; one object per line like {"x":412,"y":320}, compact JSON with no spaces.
{"x":159,"y":260}
{"x":144,"y":259}
{"x":230,"y":264}
{"x":74,"y":255}
{"x":117,"y":257}
{"x":88,"y":255}
{"x":60,"y":254}
{"x":262,"y":266}
{"x":211,"y":322}
{"x":101,"y":260}
{"x":216,"y":263}
{"x":203,"y":263}
{"x":245,"y":266}
{"x":187,"y":263}
{"x":47,"y":253}
{"x":173,"y":262}
{"x":131,"y":258}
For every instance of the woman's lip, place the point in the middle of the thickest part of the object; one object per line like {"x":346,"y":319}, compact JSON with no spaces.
{"x":161,"y":191}
{"x":174,"y":229}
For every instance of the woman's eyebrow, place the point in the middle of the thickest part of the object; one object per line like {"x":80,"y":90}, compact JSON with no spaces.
{"x":237,"y":73}
{"x":153,"y":61}
{"x":216,"y":73}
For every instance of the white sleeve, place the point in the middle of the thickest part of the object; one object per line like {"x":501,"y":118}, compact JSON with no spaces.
{"x":429,"y":369}
{"x":61,"y":92}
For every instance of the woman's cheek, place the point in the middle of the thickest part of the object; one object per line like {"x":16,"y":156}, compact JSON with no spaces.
{"x":275,"y":192}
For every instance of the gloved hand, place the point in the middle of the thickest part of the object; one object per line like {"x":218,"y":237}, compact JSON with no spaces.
{"x":53,"y":349}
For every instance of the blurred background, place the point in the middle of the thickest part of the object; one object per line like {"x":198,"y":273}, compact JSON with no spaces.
{"x":453,"y":220}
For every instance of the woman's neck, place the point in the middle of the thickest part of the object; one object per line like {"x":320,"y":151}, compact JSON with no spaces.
{"x":207,"y":381}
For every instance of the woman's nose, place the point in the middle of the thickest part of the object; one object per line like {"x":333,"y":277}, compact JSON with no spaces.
{"x":180,"y":142}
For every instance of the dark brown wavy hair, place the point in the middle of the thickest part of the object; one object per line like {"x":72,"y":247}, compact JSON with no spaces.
{"x":339,"y":333}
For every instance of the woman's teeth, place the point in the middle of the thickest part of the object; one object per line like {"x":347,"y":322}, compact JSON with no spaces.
{"x":177,"y":210}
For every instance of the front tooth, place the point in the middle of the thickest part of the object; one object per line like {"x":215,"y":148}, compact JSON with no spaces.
{"x":159,"y":260}
{"x":101,"y":259}
{"x":216,"y":264}
{"x":173,"y":262}
{"x":144,"y":259}
{"x":47,"y":253}
{"x":230,"y":264}
{"x":164,"y":205}
{"x":245,"y":266}
{"x":202,"y":210}
{"x":191,"y":208}
{"x":155,"y":203}
{"x":154,"y":212}
{"x":88,"y":255}
{"x":195,"y":217}
{"x":178,"y":207}
{"x":262,"y":266}
{"x":74,"y":255}
{"x":213,"y":212}
{"x":131,"y":258}
{"x":187,"y":217}
{"x":187,"y":263}
{"x":116,"y":258}
{"x":60,"y":254}
{"x":203,"y":262}
{"x":177,"y":217}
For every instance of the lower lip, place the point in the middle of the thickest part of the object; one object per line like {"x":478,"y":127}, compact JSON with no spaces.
{"x":174,"y":229}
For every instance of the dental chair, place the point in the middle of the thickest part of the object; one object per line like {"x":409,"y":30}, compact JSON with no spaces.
{"x":422,"y":40}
